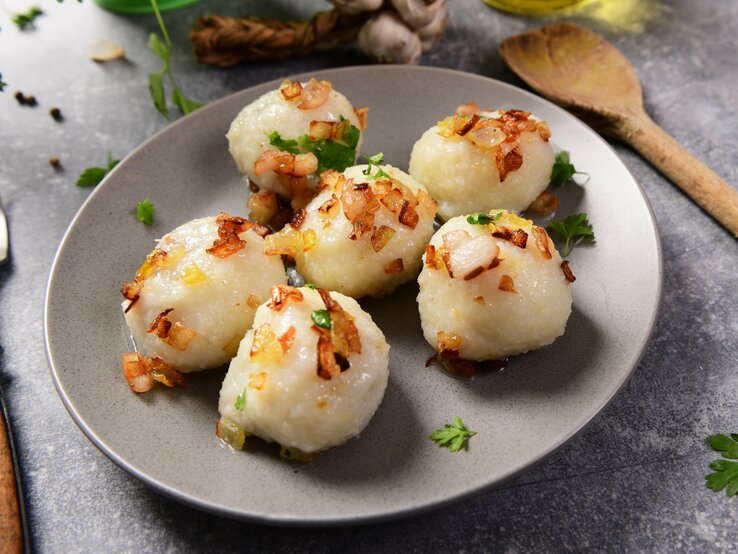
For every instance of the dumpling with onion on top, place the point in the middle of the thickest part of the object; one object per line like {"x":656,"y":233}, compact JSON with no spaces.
{"x":363,"y":234}
{"x":492,"y":286}
{"x":283,"y":141}
{"x":308,"y":376}
{"x":194,"y":298}
{"x":478,"y":160}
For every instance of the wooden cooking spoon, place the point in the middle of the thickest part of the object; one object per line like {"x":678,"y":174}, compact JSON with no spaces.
{"x":587,"y":75}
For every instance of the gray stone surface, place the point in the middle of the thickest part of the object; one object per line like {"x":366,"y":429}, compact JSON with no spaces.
{"x":634,"y":480}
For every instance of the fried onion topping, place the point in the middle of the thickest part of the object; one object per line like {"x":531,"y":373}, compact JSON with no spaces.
{"x":567,"y":271}
{"x":335,"y":345}
{"x":141,"y":371}
{"x":542,"y":241}
{"x":281,"y":294}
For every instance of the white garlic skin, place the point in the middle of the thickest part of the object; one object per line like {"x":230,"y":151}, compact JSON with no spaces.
{"x":387,"y":39}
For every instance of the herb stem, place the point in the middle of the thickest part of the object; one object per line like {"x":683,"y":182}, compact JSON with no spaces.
{"x":155,"y":5}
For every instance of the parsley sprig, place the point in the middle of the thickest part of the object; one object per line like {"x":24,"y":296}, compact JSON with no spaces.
{"x":375,"y":161}
{"x":27,"y":19}
{"x":145,"y":212}
{"x":331,"y":154}
{"x":240,"y":402}
{"x":480,"y":218}
{"x":562,"y":170}
{"x":724,"y":473}
{"x":573,"y":229}
{"x":93,"y":175}
{"x":453,"y":436}
{"x":321,"y":318}
{"x":156,"y":80}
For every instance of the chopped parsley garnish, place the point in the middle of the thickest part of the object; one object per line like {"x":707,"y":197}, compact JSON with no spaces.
{"x":322,"y":318}
{"x":482,"y":218}
{"x":309,"y":286}
{"x":562,"y":170}
{"x":145,"y":212}
{"x":240,"y":402}
{"x":724,"y":473}
{"x":93,"y":175}
{"x":573,"y":229}
{"x":156,"y":80}
{"x":375,"y":161}
{"x":453,"y":436}
{"x":27,"y":19}
{"x":331,"y":154}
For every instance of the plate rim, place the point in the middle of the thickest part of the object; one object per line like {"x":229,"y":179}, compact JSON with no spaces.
{"x":282,"y":519}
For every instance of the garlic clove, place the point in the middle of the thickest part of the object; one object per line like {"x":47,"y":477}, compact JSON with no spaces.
{"x":387,"y":39}
{"x":430,"y":34}
{"x":418,"y":13}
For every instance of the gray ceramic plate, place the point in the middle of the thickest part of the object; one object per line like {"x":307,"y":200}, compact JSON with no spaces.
{"x":522,"y":414}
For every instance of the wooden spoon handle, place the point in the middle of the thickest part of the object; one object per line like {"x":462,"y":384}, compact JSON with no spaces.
{"x":11,"y":534}
{"x":705,"y":187}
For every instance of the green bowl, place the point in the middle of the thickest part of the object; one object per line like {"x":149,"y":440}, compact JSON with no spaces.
{"x":141,"y":6}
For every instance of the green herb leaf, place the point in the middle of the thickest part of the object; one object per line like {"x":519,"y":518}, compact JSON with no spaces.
{"x":480,"y":218}
{"x":573,"y":229}
{"x":185,"y":105}
{"x":309,"y":286}
{"x":240,"y":402}
{"x":727,"y":446}
{"x":160,"y":49}
{"x":27,"y":19}
{"x":156,"y":90}
{"x":145,"y":212}
{"x":724,"y":476}
{"x":3,"y":84}
{"x":562,"y":170}
{"x":453,"y":436}
{"x":375,"y":160}
{"x":322,"y":318}
{"x":282,"y":144}
{"x":92,"y":176}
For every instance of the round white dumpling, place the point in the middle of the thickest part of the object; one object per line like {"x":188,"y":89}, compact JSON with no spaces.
{"x":294,"y":110}
{"x":363,"y":236}
{"x":489,"y":291}
{"x":501,"y":161}
{"x":195,"y":296}
{"x":299,"y":384}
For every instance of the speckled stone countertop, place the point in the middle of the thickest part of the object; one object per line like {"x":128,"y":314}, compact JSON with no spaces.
{"x":632,"y":481}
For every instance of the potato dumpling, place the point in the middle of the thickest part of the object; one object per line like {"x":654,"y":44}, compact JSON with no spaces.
{"x":194,"y":298}
{"x":493,"y":289}
{"x":363,"y":234}
{"x":308,"y":376}
{"x":475,"y":161}
{"x":283,"y":140}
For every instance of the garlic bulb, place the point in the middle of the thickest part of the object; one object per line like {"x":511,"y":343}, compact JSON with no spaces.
{"x":386,"y":38}
{"x":418,"y":13}
{"x":352,"y":7}
{"x":434,"y":30}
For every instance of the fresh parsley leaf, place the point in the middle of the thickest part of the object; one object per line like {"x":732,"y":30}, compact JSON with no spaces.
{"x":562,"y":170}
{"x":724,"y":476}
{"x":309,"y":286}
{"x":92,"y":176}
{"x":573,"y":229}
{"x":453,"y":436}
{"x":283,"y":144}
{"x":240,"y":402}
{"x":3,"y":84}
{"x":331,"y":154}
{"x":145,"y":212}
{"x":727,"y":446}
{"x":156,"y":80}
{"x":27,"y":19}
{"x":375,"y":160}
{"x":482,"y":218}
{"x":322,"y":318}
{"x":156,"y":90}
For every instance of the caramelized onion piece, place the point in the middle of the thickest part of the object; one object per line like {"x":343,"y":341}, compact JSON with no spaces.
{"x":544,"y":130}
{"x":327,"y":366}
{"x":309,"y":240}
{"x":507,"y":284}
{"x":226,"y":246}
{"x":542,"y":241}
{"x":487,"y":134}
{"x":290,"y":90}
{"x":137,"y":373}
{"x":392,"y":199}
{"x":286,"y":243}
{"x":344,"y":333}
{"x":448,"y":351}
{"x":394,"y":267}
{"x":329,"y":208}
{"x":252,"y":302}
{"x":431,"y":261}
{"x":408,"y":216}
{"x":362,"y":114}
{"x":518,"y":237}
{"x":567,"y":271}
{"x":230,"y":433}
{"x":298,"y":218}
{"x":228,"y":241}
{"x":165,"y":374}
{"x":280,"y":294}
{"x":512,"y":161}
{"x":265,"y":348}
{"x":470,"y":108}
{"x":263,"y":206}
{"x":381,"y":236}
{"x":132,"y":289}
{"x":161,"y":325}
{"x":314,"y":94}
{"x":305,"y":164}
{"x":469,"y":259}
{"x":332,"y":179}
{"x":180,"y":336}
{"x":359,"y":205}
{"x":323,"y":130}
{"x":479,"y":299}
{"x":287,"y":338}
{"x":274,"y":160}
{"x":545,"y":204}
{"x":257,"y":381}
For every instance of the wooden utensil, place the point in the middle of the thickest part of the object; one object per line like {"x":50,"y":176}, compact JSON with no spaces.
{"x":587,"y":75}
{"x":11,"y":523}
